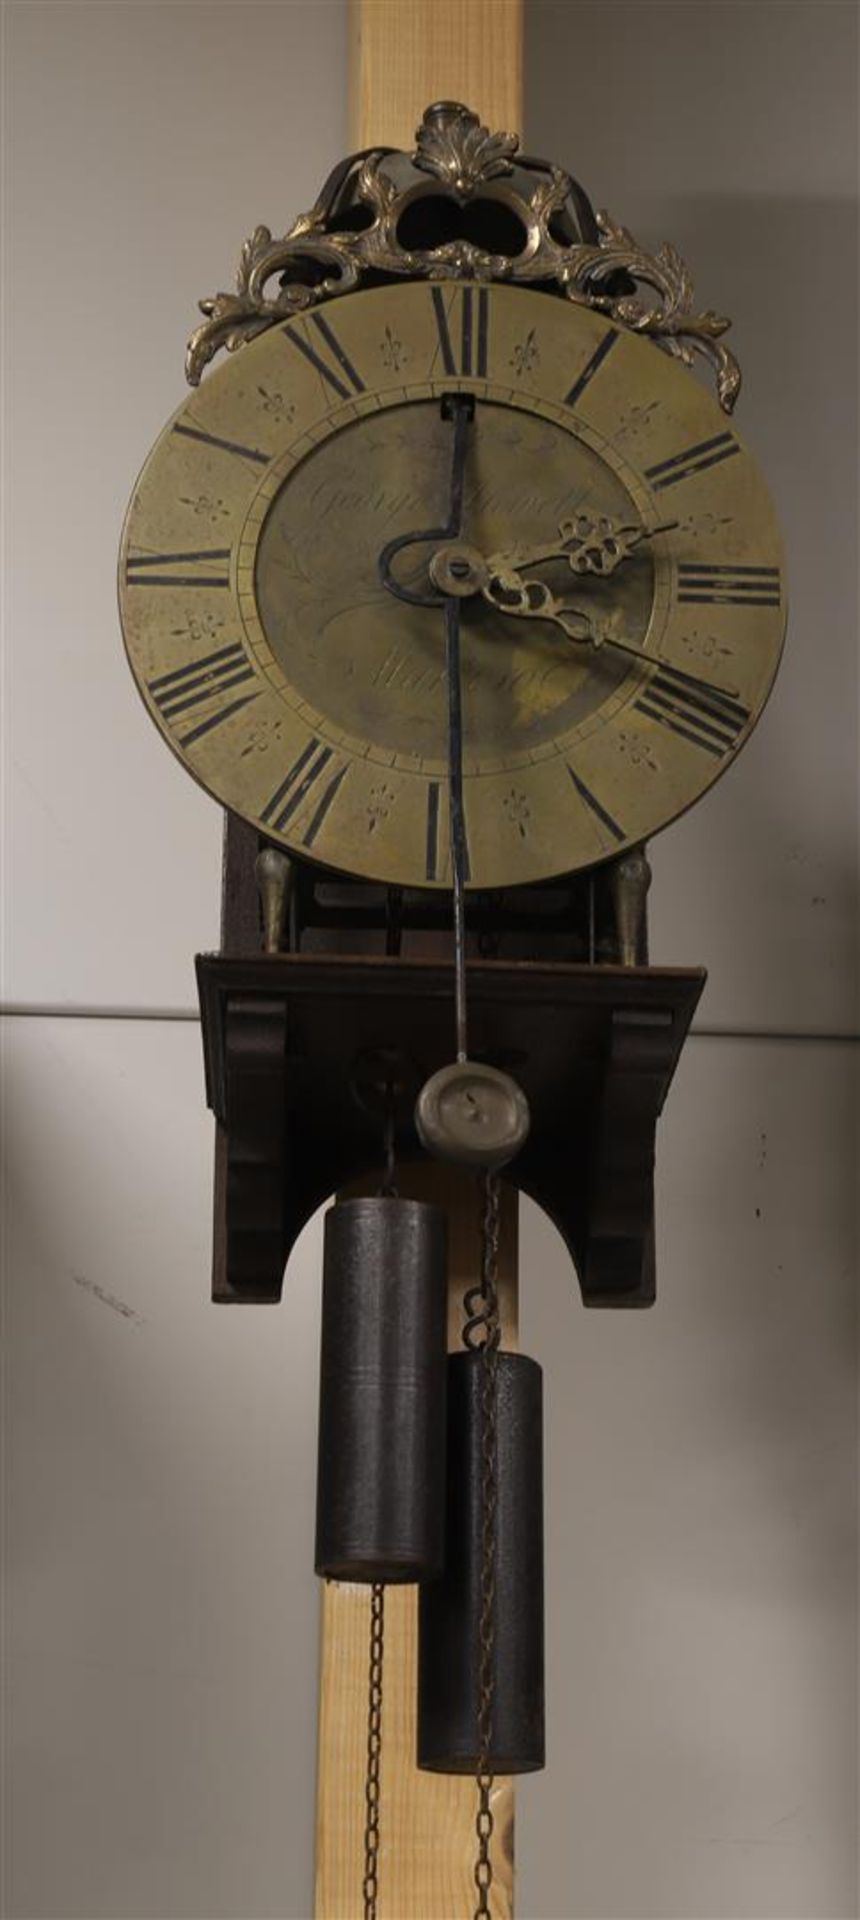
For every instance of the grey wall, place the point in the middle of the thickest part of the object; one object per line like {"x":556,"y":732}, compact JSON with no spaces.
{"x":162,"y":1625}
{"x":702,"y":1516}
{"x":702,"y":1462}
{"x":731,"y":129}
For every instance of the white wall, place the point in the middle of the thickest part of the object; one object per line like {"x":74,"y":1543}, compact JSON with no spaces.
{"x":702,"y":1509}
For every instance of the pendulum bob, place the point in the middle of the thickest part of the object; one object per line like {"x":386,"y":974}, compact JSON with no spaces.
{"x":450,"y":1609}
{"x":472,"y":1115}
{"x":382,"y":1425}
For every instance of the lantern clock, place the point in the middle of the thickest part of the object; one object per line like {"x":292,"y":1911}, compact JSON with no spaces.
{"x":452,"y":587}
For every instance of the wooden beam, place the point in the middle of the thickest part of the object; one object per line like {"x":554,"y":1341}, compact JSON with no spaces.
{"x":404,"y":54}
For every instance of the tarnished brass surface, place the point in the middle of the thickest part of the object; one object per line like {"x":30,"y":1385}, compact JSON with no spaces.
{"x":629,"y":881}
{"x":329,"y":252}
{"x":458,"y":569}
{"x":472,"y":1115}
{"x":312,"y":702}
{"x":274,"y":874}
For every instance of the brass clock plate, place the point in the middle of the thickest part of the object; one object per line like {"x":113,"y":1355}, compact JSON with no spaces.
{"x":309,"y":700}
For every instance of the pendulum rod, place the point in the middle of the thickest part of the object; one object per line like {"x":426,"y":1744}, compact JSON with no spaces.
{"x":448,"y":570}
{"x":459,"y":408}
{"x":457,"y":819}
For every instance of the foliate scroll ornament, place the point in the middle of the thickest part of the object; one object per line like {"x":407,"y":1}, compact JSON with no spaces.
{"x":673,"y":323}
{"x":392,"y":213}
{"x":453,"y":145}
{"x":381,"y":249}
{"x":310,"y":268}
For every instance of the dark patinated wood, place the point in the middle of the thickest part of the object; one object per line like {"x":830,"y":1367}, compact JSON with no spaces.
{"x":241,"y":920}
{"x":287,"y":1039}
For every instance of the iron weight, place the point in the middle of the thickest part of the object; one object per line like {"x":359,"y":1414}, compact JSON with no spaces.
{"x":450,"y":1608}
{"x":382,"y":1424}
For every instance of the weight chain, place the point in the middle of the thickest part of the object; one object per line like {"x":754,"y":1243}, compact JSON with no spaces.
{"x":481,"y":1333}
{"x":370,"y":1883}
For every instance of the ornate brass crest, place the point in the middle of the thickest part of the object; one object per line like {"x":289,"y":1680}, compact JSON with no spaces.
{"x":453,"y":145}
{"x":465,"y":205}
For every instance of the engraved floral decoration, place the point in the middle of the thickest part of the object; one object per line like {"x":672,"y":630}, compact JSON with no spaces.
{"x":206,"y":506}
{"x":526,"y":354}
{"x":516,"y":805}
{"x":276,"y":404}
{"x":393,"y":352}
{"x":636,"y":749}
{"x":381,"y":802}
{"x":202,"y":626}
{"x":329,"y":251}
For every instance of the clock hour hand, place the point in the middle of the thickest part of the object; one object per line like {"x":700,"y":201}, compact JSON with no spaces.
{"x":590,"y":543}
{"x":533,"y":600}
{"x":505,"y":589}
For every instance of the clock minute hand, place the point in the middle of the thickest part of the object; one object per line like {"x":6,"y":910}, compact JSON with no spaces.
{"x":605,"y":638}
{"x":533,"y":600}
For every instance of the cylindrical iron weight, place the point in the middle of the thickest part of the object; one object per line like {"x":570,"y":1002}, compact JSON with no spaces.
{"x":382,"y":1426}
{"x":450,"y":1608}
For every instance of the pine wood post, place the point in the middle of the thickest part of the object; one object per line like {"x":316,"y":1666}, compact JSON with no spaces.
{"x":403,"y":55}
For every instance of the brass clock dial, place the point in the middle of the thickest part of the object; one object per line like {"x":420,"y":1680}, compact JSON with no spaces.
{"x":621,"y":626}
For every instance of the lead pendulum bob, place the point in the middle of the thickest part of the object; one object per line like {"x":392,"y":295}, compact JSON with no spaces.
{"x":449,"y":1616}
{"x":382,"y":1429}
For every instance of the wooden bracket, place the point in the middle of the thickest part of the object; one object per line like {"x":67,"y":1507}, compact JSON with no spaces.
{"x":287,"y":1038}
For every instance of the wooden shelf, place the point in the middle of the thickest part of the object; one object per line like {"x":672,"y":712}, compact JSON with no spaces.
{"x":290,"y":1040}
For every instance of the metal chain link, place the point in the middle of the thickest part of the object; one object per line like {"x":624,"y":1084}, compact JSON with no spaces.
{"x":370,"y":1886}
{"x":481,"y":1334}
{"x":387,"y":1189}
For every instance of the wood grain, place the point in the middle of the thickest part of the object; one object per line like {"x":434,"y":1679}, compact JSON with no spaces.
{"x":403,"y":55}
{"x":427,"y":1837}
